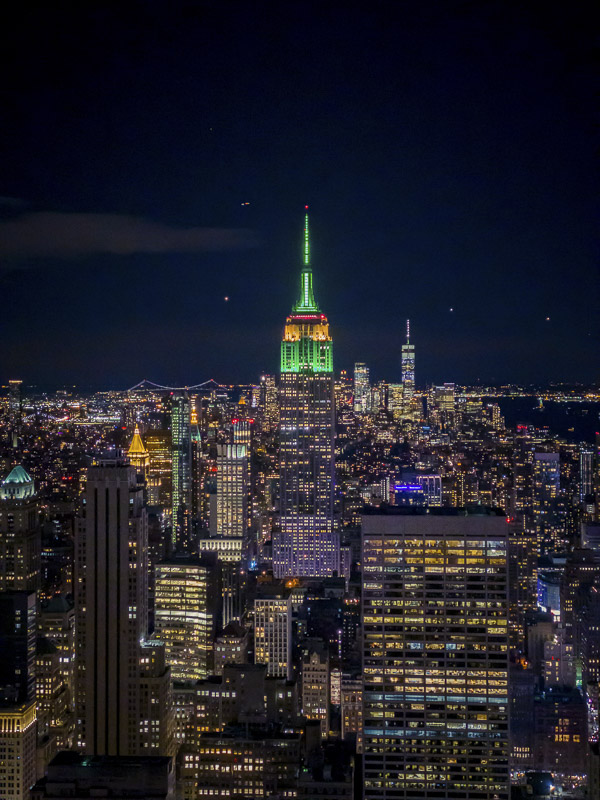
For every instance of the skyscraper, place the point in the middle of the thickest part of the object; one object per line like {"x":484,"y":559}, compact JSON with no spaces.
{"x":181,"y":443}
{"x":362,"y":388}
{"x":273,"y":632}
{"x":232,"y":491}
{"x":308,"y":543}
{"x":17,"y":694}
{"x":20,"y":536}
{"x":116,"y":666}
{"x":548,"y":510}
{"x":187,"y":602}
{"x":15,"y":410}
{"x":408,"y":374}
{"x":435,"y":659}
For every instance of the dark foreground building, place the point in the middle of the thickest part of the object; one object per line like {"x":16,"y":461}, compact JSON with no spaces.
{"x":116,"y":777}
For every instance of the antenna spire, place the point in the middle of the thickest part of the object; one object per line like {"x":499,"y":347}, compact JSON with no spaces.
{"x":306,"y":239}
{"x":407,"y":331}
{"x":307,"y":301}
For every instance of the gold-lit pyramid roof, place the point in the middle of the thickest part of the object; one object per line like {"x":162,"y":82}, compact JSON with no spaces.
{"x":136,"y":448}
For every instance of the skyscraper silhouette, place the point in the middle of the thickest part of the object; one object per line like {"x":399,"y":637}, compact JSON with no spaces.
{"x":307,"y":544}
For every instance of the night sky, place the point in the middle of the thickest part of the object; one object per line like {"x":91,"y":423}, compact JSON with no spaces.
{"x":448,"y":152}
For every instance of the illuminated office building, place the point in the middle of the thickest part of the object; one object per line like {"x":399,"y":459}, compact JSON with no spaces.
{"x":18,"y":749}
{"x":232,"y":491}
{"x":118,"y":671}
{"x":586,"y":472}
{"x":432,"y":489}
{"x":435,"y":659}
{"x":20,"y":536}
{"x":273,"y":633}
{"x":408,"y":374}
{"x":138,"y":455}
{"x":308,"y":543}
{"x":56,"y":622}
{"x":181,"y":471}
{"x":444,"y":398}
{"x":259,"y":764}
{"x":158,"y":476}
{"x":187,"y":600}
{"x":268,"y":402}
{"x":315,"y":685}
{"x":549,"y":521}
{"x":362,"y":389}
{"x":15,"y":411}
{"x":17,"y":694}
{"x":242,"y":432}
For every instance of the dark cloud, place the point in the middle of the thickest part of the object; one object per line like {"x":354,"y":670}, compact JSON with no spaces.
{"x":67,"y":235}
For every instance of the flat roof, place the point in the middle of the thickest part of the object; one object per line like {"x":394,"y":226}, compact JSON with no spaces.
{"x":426,"y":511}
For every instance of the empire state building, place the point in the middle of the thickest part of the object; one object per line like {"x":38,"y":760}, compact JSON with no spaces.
{"x":307,"y":544}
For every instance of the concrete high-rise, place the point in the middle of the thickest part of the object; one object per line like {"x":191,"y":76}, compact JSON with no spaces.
{"x":273,"y":632}
{"x":435,"y":659}
{"x":15,"y":412}
{"x":548,"y":512}
{"x":181,"y":444}
{"x":17,"y":694}
{"x":20,"y":536}
{"x":308,"y":542}
{"x":362,"y":388}
{"x":118,"y":670}
{"x":232,"y":491}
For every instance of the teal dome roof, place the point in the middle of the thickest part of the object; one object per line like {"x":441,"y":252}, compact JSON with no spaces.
{"x":17,"y":484}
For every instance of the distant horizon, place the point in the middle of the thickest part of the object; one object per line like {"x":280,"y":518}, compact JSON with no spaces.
{"x":94,"y":388}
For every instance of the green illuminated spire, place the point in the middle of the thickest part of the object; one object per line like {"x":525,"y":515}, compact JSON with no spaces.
{"x":307,"y":299}
{"x":306,"y":242}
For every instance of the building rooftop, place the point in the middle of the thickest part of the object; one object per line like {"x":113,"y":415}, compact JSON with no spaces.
{"x":423,"y":511}
{"x":18,"y":484}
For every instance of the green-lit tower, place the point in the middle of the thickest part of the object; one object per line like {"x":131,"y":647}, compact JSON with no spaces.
{"x":307,"y":544}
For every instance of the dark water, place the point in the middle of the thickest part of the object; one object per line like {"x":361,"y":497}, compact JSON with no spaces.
{"x":559,"y":417}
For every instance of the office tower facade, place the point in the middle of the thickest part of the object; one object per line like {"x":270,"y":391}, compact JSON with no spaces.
{"x":181,"y":446}
{"x":17,"y":694}
{"x":408,"y":374}
{"x":159,"y":478}
{"x":18,"y":748}
{"x":362,"y":388}
{"x":231,"y":647}
{"x":232,"y":491}
{"x":435,"y":659}
{"x":52,"y":695}
{"x":56,"y":622}
{"x":20,"y":536}
{"x":586,"y":472}
{"x":432,"y":489}
{"x":547,"y":511}
{"x":187,"y":602}
{"x":273,"y":633}
{"x":111,"y":602}
{"x":269,"y":405}
{"x":15,"y":411}
{"x":17,"y":647}
{"x":315,"y":685}
{"x":444,"y":399}
{"x":308,"y":542}
{"x":261,"y":764}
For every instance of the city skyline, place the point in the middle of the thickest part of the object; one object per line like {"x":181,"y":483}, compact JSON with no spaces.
{"x":268,"y":539}
{"x":445,"y":155}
